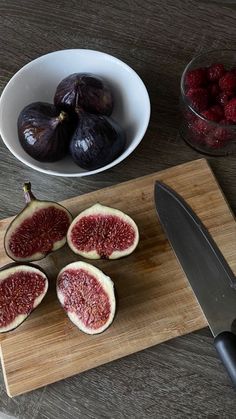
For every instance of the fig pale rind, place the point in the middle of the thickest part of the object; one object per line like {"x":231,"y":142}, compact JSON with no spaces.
{"x":87,"y":296}
{"x":39,"y":229}
{"x":103,"y":232}
{"x":26,"y":287}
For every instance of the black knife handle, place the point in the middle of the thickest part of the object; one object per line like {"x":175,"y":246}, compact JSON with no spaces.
{"x":225,"y":344}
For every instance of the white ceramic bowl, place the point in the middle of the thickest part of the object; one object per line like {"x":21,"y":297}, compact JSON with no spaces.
{"x":37,"y":81}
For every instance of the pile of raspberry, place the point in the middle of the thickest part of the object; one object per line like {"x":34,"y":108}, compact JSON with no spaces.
{"x":211,"y":92}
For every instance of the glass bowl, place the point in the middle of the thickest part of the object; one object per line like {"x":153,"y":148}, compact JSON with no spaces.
{"x":208,"y":137}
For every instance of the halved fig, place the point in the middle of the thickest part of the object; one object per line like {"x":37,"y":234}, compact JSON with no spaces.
{"x":22,"y":288}
{"x":97,"y":141}
{"x":37,"y":230}
{"x":103,"y":232}
{"x":87,"y":295}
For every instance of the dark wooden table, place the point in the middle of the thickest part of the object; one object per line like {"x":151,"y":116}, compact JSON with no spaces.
{"x":181,"y":378}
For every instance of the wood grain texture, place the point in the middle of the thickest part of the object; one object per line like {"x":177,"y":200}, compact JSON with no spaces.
{"x":155,"y":302}
{"x":181,"y":378}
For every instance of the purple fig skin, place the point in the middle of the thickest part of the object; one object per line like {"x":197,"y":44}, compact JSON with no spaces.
{"x":97,"y":141}
{"x":44,"y":132}
{"x":84,"y":90}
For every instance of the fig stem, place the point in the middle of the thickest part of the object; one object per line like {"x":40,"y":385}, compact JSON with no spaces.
{"x":29,"y":196}
{"x":79,"y":110}
{"x":62,"y":116}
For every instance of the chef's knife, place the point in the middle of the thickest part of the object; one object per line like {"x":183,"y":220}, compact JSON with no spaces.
{"x":208,"y":273}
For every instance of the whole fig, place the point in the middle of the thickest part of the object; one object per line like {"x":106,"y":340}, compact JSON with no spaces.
{"x":84,"y":90}
{"x":44,"y":132}
{"x":97,"y":141}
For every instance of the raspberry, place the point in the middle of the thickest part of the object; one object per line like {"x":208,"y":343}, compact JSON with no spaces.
{"x":227,"y":82}
{"x":218,"y":111}
{"x":209,"y":115}
{"x":201,"y":127}
{"x":213,"y":90}
{"x":229,"y":93}
{"x":215,"y":113}
{"x":198,"y":98}
{"x":189,"y":116}
{"x":222,"y":98}
{"x":215,"y":72}
{"x":196,"y":78}
{"x":224,"y":122}
{"x":230,"y":110}
{"x":218,"y":138}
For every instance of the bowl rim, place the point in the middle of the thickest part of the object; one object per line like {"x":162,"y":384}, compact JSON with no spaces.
{"x":119,"y":159}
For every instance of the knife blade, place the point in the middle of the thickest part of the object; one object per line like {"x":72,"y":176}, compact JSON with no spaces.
{"x":208,"y":273}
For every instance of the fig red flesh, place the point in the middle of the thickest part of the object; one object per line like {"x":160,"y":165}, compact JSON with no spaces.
{"x":85,"y":296}
{"x":22,"y":287}
{"x":39,"y":232}
{"x":103,"y":232}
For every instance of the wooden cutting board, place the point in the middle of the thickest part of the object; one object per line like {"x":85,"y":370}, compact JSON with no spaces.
{"x":155,"y":301}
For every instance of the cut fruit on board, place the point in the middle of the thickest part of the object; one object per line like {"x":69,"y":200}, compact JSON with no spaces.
{"x":39,"y":229}
{"x":22,"y":288}
{"x":156,"y":302}
{"x":103,"y":232}
{"x":87,"y":296}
